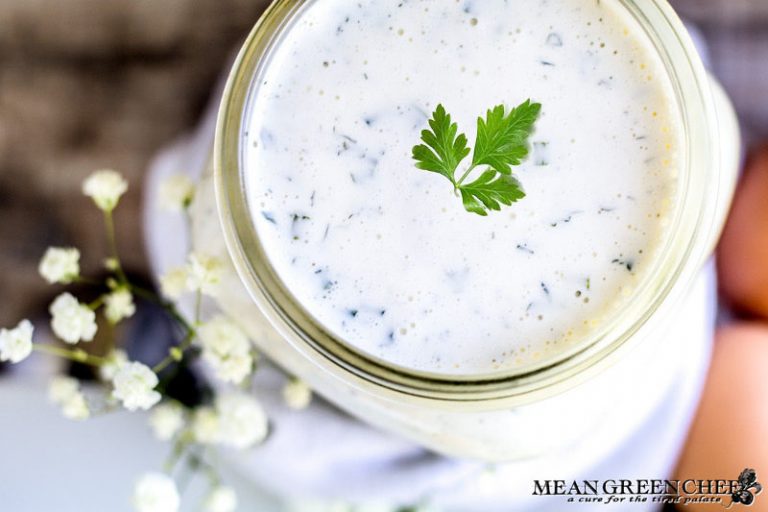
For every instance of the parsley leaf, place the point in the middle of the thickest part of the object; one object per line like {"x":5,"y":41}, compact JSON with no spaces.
{"x":443,"y":150}
{"x":490,"y":191}
{"x":502,"y":142}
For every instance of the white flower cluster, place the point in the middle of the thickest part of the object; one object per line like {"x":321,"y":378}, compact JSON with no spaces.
{"x":115,"y":360}
{"x":16,"y":343}
{"x":167,"y":420}
{"x":60,"y":265}
{"x":135,"y":386}
{"x":65,"y":392}
{"x":177,"y":192}
{"x":173,"y":283}
{"x":156,"y":492}
{"x":202,"y":273}
{"x":71,"y":320}
{"x":119,"y":305}
{"x":236,"y":420}
{"x":242,"y":421}
{"x":221,"y":499}
{"x":205,"y":425}
{"x":297,"y":395}
{"x":227,"y":349}
{"x":105,"y":187}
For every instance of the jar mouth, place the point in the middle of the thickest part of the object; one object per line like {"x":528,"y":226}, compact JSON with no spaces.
{"x":673,"y":268}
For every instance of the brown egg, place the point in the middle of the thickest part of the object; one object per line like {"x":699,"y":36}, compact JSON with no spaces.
{"x":730,"y":432}
{"x":743,"y":251}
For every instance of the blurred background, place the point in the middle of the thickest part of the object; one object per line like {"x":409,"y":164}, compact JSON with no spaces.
{"x":86,"y":84}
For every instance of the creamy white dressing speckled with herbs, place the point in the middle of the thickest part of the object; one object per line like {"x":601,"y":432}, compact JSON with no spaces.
{"x":383,"y":254}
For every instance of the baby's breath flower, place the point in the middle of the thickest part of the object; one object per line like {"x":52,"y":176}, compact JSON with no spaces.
{"x":76,"y":407}
{"x":362,"y":507}
{"x":115,"y":360}
{"x":156,"y":492}
{"x":237,"y":420}
{"x":60,"y":265}
{"x":221,"y":499}
{"x":242,"y":422}
{"x":226,"y":348}
{"x":176,"y":192}
{"x":174,"y":282}
{"x":135,"y":386}
{"x":16,"y":343}
{"x":105,"y":187}
{"x":204,"y":273}
{"x":71,"y":320}
{"x":119,"y":305}
{"x":205,"y":425}
{"x":166,"y":420}
{"x":297,"y":395}
{"x":233,"y":368}
{"x":223,"y":336}
{"x":65,"y":392}
{"x":111,"y":264}
{"x":62,"y":387}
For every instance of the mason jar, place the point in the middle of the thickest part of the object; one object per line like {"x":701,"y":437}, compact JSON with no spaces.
{"x":592,"y":395}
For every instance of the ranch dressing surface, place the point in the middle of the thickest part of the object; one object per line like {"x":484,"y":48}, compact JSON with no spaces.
{"x":383,"y":254}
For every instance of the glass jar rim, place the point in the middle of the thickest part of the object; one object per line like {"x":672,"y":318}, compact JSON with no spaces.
{"x":673,"y":270}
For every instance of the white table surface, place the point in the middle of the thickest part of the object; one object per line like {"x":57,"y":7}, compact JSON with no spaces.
{"x":51,"y":464}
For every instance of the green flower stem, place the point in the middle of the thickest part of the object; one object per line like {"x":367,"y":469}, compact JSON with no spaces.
{"x":112,"y":241}
{"x":247,"y":383}
{"x":77,"y":355}
{"x":96,"y":304}
{"x":197,"y":461}
{"x":111,"y":338}
{"x":175,"y":354}
{"x":179,"y":447}
{"x":105,"y":410}
{"x":198,"y":306}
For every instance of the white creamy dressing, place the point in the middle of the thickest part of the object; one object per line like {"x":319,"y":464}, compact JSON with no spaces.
{"x":383,"y":254}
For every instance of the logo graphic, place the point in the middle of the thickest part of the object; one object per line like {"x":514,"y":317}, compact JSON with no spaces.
{"x":726,"y":493}
{"x":747,"y":483}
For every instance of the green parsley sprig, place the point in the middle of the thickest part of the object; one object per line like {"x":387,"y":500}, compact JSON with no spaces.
{"x":502,"y":142}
